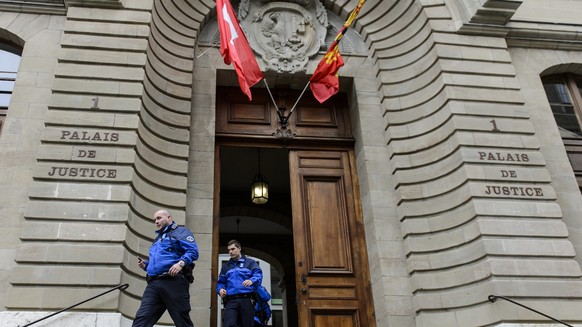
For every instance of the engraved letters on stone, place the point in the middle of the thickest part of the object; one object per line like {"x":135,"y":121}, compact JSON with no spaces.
{"x":284,"y":33}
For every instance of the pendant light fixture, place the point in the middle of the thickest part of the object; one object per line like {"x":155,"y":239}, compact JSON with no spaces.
{"x":259,"y":187}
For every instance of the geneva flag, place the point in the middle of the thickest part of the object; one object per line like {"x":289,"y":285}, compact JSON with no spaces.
{"x":235,"y":48}
{"x":325,"y":82}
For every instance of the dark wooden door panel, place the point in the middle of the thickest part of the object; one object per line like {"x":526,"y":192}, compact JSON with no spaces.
{"x":236,"y":116}
{"x":325,"y":219}
{"x":329,"y":119}
{"x":332,"y":283}
{"x":344,"y":317}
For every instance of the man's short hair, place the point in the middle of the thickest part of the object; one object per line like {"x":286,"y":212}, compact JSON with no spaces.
{"x":235,"y":242}
{"x":165,"y":212}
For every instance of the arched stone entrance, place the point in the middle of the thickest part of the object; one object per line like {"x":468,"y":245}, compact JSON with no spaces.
{"x":210,"y":74}
{"x":318,"y":196}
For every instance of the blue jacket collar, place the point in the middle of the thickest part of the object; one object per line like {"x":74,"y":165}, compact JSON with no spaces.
{"x":242,"y":258}
{"x":173,"y":225}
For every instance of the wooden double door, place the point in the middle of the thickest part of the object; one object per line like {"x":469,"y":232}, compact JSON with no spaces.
{"x":330,"y":252}
{"x":331,"y":264}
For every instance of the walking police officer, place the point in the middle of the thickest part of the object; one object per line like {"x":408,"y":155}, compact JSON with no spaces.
{"x":237,"y":283}
{"x":172,"y":253}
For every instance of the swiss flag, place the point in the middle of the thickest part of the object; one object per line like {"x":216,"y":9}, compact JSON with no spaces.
{"x":235,"y":48}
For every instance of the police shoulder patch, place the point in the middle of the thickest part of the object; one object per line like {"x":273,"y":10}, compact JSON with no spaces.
{"x":190,"y":239}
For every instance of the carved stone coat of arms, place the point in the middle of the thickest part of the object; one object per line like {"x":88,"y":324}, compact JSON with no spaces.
{"x":284,"y":33}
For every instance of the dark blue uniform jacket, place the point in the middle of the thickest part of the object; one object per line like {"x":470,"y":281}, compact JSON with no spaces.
{"x":233,"y":273}
{"x":173,"y":243}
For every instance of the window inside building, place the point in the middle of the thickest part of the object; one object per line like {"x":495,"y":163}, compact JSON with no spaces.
{"x":9,"y":61}
{"x":565,"y":96}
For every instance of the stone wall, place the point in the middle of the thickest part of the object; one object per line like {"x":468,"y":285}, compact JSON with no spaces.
{"x":478,"y":209}
{"x":21,"y":134}
{"x":465,"y":186}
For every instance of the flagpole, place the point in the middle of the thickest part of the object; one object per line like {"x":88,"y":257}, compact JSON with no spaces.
{"x":299,"y":98}
{"x":203,"y":53}
{"x":283,"y":120}
{"x":270,"y":94}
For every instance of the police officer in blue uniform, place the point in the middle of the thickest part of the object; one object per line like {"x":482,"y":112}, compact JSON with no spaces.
{"x":237,"y":283}
{"x":173,"y":251}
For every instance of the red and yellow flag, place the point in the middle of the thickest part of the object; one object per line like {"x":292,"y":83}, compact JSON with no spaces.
{"x":235,"y":48}
{"x":325,"y":81}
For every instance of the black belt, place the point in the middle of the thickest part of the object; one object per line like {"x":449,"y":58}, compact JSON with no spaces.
{"x":238,"y":296}
{"x":162,"y":276}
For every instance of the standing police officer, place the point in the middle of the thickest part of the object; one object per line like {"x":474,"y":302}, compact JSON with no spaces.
{"x":168,"y":289}
{"x":237,"y":282}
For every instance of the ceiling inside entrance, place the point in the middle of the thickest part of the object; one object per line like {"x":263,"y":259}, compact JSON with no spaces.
{"x":239,"y":165}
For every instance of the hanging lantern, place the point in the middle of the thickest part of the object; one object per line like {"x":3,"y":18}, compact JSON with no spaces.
{"x":259,"y":187}
{"x":260,"y":190}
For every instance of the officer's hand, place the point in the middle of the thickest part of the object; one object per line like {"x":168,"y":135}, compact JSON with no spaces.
{"x":141,"y":263}
{"x":247,"y":283}
{"x":222,"y":292}
{"x":175,"y":269}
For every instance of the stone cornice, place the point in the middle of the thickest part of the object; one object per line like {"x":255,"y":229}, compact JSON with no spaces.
{"x":484,"y":17}
{"x":545,"y":37}
{"x":94,"y":3}
{"x":54,"y":7}
{"x":531,"y":35}
{"x":34,"y":7}
{"x":489,"y":12}
{"x":493,"y":18}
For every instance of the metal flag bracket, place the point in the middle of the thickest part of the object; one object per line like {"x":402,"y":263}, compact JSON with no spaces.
{"x":283,"y":131}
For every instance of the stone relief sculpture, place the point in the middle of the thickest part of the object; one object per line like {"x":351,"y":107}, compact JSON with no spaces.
{"x":285,"y":34}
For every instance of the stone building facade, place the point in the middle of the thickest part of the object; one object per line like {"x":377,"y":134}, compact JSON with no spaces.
{"x":467,"y":186}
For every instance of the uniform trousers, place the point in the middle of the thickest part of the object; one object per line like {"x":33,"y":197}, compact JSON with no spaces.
{"x":170,"y":293}
{"x":239,"y":312}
